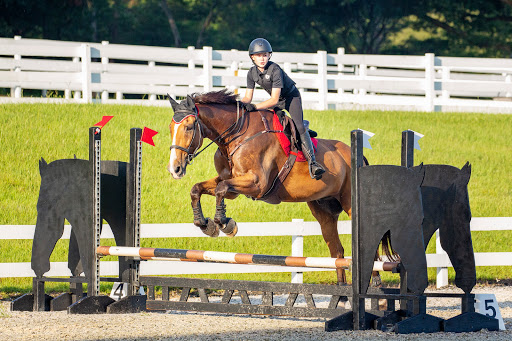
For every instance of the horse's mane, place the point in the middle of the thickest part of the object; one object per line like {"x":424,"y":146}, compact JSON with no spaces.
{"x":215,"y":97}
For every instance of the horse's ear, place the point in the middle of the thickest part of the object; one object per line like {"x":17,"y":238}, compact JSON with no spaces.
{"x":42,"y":165}
{"x":174,"y":104}
{"x":190,"y":102}
{"x":465,"y":173}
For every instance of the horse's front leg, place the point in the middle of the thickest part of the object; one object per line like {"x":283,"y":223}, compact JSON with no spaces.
{"x":205,"y":224}
{"x":230,"y":189}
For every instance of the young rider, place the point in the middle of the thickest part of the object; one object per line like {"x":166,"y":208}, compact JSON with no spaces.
{"x":283,"y":95}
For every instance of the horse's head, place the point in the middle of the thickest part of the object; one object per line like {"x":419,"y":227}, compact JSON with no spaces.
{"x":187,"y":136}
{"x":456,"y":235}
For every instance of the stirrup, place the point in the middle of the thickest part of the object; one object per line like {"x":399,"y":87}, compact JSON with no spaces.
{"x":317,"y":175}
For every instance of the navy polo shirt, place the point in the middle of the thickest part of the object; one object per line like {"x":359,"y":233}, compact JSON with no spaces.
{"x":271,"y":77}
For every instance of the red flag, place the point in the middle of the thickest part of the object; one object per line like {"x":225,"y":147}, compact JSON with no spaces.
{"x":147,"y":136}
{"x":104,"y":121}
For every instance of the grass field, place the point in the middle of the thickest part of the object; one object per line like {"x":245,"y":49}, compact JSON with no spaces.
{"x":32,"y":131}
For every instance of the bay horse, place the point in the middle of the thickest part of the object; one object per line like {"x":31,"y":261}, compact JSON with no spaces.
{"x":248,"y":160}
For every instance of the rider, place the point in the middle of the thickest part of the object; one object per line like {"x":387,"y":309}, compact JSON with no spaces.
{"x":283,"y":95}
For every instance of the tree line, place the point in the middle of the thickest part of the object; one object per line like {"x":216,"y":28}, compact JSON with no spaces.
{"x":480,"y":28}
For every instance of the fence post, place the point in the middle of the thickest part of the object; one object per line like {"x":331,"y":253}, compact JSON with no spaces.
{"x":234,"y":68}
{"x":16,"y":91}
{"x":430,"y":78}
{"x":104,"y":66}
{"x":191,"y":66}
{"x":322,"y":80}
{"x":298,"y":251}
{"x":86,"y":73}
{"x":442,"y":273}
{"x":341,"y":69}
{"x":207,"y":68}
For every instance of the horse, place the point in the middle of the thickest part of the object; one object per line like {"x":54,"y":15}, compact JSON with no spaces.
{"x":65,"y":193}
{"x":446,"y":207}
{"x":248,"y":160}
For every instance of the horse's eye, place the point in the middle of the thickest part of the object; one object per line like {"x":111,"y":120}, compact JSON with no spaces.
{"x":189,"y":128}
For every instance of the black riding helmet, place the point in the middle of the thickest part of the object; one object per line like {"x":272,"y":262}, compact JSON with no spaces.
{"x":259,"y":45}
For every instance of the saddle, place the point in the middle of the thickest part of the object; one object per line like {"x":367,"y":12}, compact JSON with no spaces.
{"x":286,"y":132}
{"x":288,"y":136}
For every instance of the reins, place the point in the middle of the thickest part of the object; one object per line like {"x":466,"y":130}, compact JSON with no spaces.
{"x":192,"y":156}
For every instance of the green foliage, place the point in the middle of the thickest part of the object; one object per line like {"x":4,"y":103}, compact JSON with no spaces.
{"x":32,"y":131}
{"x":468,"y":28}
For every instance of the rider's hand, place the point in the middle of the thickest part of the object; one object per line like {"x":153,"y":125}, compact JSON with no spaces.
{"x":249,"y":107}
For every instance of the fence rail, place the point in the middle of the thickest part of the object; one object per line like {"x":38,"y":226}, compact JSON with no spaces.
{"x":298,"y":229}
{"x":143,"y":75}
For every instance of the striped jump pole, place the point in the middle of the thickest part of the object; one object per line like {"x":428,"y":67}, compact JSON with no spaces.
{"x":236,"y":258}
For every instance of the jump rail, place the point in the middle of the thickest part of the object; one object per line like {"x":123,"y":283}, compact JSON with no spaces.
{"x":237,"y":258}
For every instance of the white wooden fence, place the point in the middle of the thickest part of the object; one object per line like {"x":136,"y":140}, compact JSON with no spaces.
{"x":297,"y":229}
{"x":126,"y":74}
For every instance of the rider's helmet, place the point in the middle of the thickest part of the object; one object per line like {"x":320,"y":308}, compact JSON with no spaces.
{"x":259,"y":45}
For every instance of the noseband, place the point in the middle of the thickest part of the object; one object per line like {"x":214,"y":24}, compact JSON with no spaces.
{"x":197,"y":127}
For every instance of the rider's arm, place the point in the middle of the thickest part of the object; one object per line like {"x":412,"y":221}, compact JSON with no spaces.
{"x":272,"y":101}
{"x":248,"y":96}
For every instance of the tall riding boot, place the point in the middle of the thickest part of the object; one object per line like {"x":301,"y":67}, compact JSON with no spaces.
{"x":315,"y":169}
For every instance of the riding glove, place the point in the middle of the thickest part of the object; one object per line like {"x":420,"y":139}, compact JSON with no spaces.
{"x":249,"y":107}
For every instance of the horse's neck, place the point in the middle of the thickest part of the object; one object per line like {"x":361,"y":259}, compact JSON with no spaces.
{"x":218,"y":120}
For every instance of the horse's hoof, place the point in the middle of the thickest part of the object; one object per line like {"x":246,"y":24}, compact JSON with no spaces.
{"x":230,"y":228}
{"x":201,"y":224}
{"x":376,"y":281}
{"x":211,"y":229}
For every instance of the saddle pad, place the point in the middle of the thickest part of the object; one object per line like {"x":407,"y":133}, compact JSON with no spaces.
{"x":285,"y":143}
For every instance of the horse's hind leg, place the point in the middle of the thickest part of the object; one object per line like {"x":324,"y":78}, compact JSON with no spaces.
{"x":327,"y":212}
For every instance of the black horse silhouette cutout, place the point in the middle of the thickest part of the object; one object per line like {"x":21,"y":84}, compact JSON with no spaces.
{"x":66,"y":193}
{"x":446,"y":207}
{"x":390,"y":198}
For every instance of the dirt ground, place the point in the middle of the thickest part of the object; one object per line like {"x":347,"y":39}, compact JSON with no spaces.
{"x":172,"y":325}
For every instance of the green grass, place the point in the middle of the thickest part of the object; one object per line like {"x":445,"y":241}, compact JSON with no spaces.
{"x":32,"y":131}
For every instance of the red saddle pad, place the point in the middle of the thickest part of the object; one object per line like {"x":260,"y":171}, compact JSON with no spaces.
{"x":285,"y":143}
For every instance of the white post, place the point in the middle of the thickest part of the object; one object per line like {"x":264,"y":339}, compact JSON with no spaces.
{"x":152,"y":96}
{"x":322,"y":80}
{"x":16,"y":91}
{"x":104,"y":65}
{"x":442,"y":273}
{"x":208,"y":68}
{"x":191,"y":66}
{"x":86,"y":73}
{"x":78,"y":94}
{"x":297,"y":251}
{"x":234,"y":68}
{"x":341,"y":68}
{"x":430,"y":78}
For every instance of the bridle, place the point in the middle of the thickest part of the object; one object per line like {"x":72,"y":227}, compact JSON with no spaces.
{"x":197,"y":128}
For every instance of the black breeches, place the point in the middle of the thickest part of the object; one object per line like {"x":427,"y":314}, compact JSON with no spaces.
{"x":294,"y":107}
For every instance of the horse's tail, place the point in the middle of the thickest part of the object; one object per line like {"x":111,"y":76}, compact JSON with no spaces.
{"x":387,"y":248}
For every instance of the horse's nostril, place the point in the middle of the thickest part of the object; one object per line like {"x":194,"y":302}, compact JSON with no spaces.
{"x":177,"y":170}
